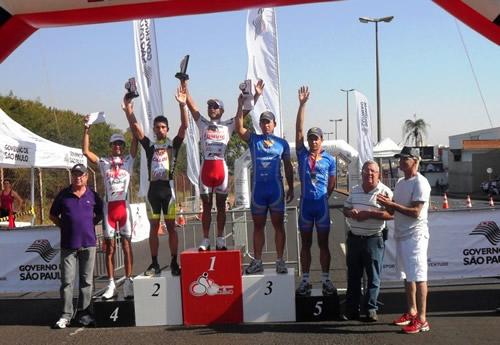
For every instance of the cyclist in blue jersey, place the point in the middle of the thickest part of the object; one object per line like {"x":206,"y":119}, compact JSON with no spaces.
{"x":317,"y":178}
{"x":267,"y":152}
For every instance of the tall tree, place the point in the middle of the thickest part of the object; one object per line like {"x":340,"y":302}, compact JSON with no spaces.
{"x":415,"y":131}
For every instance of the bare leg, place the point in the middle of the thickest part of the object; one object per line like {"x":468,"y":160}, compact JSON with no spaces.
{"x":305,"y":250}
{"x":411,"y":291}
{"x":258,"y":235}
{"x":279,"y":235}
{"x":173,"y":240}
{"x":127,"y":256}
{"x":421,"y":300}
{"x":220,"y":201}
{"x":207,"y":213}
{"x":110,"y":257}
{"x":324,"y":251}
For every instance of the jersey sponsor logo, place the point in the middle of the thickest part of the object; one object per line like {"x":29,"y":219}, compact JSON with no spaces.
{"x":214,"y":135}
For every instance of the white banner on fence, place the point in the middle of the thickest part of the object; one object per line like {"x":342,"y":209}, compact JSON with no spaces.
{"x":140,"y":222}
{"x":30,"y":260}
{"x":463,"y":244}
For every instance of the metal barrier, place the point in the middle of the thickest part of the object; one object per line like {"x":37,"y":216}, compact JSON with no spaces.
{"x":100,"y":260}
{"x":238,"y":232}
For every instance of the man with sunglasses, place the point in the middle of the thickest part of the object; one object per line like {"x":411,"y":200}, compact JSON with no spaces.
{"x":161,"y":155}
{"x":214,"y":137}
{"x":116,"y":171}
{"x":317,"y":178}
{"x":267,"y":152}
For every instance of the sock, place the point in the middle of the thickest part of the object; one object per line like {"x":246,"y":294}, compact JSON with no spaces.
{"x":174,"y":258}
{"x":325,"y":276}
{"x":154,"y":260}
{"x":111,"y":282}
{"x":305,"y":277}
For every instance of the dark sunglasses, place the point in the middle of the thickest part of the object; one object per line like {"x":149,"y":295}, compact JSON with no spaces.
{"x":213,"y":106}
{"x":119,"y":142}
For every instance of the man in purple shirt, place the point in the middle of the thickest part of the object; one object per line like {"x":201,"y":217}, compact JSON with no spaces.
{"x":75,"y":210}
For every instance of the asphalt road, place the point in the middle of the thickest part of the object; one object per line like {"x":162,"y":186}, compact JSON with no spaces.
{"x":458,"y":314}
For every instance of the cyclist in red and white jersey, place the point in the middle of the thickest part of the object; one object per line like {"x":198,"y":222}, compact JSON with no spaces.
{"x":214,"y":138}
{"x":116,"y":171}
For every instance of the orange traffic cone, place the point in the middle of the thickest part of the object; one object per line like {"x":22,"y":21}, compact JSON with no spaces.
{"x":445,"y":201}
{"x":492,"y":204}
{"x":469,"y":203}
{"x":12,"y":224}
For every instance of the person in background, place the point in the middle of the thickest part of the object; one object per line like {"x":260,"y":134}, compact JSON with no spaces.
{"x":76,"y":210}
{"x":10,"y":201}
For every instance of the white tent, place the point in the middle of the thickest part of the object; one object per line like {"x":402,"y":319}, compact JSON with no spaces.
{"x":21,"y":148}
{"x":386,"y":148}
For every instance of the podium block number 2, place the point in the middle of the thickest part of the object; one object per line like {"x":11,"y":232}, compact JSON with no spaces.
{"x":156,"y":291}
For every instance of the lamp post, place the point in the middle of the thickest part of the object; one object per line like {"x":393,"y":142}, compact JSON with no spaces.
{"x":336,"y":121}
{"x":376,"y":21}
{"x":328,"y":135}
{"x":347,"y":109}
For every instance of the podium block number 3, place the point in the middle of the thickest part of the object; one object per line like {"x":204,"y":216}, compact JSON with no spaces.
{"x":114,"y":314}
{"x":156,"y":291}
{"x":269,"y":288}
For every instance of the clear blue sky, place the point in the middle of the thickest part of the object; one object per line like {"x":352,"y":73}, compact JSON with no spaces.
{"x":423,"y":66}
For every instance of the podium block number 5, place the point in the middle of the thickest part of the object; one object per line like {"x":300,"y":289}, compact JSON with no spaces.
{"x":269,"y":288}
{"x":114,"y":314}
{"x":156,"y":293}
{"x":318,"y":308}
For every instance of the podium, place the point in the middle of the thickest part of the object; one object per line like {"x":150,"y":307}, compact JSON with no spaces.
{"x":211,"y":287}
{"x":269,"y":297}
{"x":317,"y":307}
{"x":157,"y":300}
{"x":115,"y":312}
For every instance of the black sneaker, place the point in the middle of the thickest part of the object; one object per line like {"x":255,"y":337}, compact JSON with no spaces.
{"x":175,"y":269}
{"x":152,"y":270}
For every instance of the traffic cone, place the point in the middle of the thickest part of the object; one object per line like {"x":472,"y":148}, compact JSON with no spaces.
{"x":492,"y":204}
{"x":445,"y":201}
{"x":469,"y":203}
{"x":12,"y":224}
{"x":163,"y":229}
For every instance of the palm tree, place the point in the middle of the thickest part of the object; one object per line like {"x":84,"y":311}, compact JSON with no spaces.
{"x":414,"y":131}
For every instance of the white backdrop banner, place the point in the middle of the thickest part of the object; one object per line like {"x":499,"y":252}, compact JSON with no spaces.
{"x":148,"y":72}
{"x":463,"y":244}
{"x":30,"y":260}
{"x":263,"y":63}
{"x":365,"y":145}
{"x":140,"y":222}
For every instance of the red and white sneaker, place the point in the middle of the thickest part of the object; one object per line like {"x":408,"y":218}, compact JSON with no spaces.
{"x":404,"y":319}
{"x":417,"y":326}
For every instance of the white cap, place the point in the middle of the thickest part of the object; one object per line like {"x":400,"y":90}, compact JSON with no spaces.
{"x":116,"y":137}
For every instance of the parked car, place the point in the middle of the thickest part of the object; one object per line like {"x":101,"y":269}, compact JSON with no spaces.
{"x":491,"y":187}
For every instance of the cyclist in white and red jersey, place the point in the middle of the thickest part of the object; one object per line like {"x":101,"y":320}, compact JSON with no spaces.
{"x":116,"y":171}
{"x":214,"y":137}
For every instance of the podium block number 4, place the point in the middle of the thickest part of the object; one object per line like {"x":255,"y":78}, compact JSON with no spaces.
{"x":114,"y":314}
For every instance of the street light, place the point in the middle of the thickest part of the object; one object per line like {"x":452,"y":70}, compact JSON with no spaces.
{"x":336,"y":120}
{"x":328,"y":135}
{"x":376,"y":21}
{"x":347,"y":108}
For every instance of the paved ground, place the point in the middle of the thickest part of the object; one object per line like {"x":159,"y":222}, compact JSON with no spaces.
{"x":458,"y":313}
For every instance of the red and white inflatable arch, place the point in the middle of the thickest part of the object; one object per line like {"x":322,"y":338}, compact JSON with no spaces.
{"x":20,"y":18}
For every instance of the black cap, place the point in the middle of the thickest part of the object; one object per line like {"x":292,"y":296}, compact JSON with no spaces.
{"x":315,"y":131}
{"x":79,"y":168}
{"x":408,"y":152}
{"x":267,"y":115}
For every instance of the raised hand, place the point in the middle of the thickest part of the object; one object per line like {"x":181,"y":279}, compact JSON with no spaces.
{"x":181,"y":95}
{"x":303,"y":94}
{"x":259,"y":87}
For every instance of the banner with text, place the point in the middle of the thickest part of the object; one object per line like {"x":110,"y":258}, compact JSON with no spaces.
{"x":365,"y":144}
{"x":463,"y":244}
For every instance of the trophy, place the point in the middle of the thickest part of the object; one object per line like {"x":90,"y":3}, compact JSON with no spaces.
{"x":246,"y":91}
{"x":131,"y":87}
{"x":182,"y":75}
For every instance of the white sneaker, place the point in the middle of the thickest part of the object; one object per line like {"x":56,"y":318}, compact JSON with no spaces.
{"x":62,"y":323}
{"x":205,"y":245}
{"x":128,"y":288}
{"x":220,"y":243}
{"x":281,"y":266}
{"x":110,"y":291}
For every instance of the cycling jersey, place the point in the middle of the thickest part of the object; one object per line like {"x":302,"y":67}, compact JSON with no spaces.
{"x":314,"y":173}
{"x":267,"y":184}
{"x":214,"y":137}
